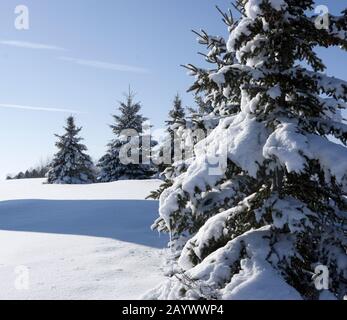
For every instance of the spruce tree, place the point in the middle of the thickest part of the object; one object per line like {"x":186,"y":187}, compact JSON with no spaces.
{"x":112,"y":166}
{"x":71,"y":165}
{"x":176,"y":127}
{"x":183,"y":132}
{"x":275,"y":215}
{"x":177,"y":113}
{"x":172,"y":146}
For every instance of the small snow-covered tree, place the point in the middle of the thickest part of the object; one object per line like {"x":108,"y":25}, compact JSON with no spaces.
{"x":112,"y":165}
{"x":71,"y":165}
{"x":183,"y":132}
{"x":275,"y":213}
{"x":172,"y":147}
{"x":177,"y":113}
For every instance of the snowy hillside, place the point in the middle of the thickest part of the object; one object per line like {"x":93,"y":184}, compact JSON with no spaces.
{"x":78,"y":242}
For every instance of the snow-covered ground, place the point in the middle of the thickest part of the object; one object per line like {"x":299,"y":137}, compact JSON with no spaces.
{"x":78,"y":242}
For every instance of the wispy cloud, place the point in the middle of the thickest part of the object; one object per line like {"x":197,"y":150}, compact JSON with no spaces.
{"x":30,"y":45}
{"x":105,"y":65}
{"x":34,"y":108}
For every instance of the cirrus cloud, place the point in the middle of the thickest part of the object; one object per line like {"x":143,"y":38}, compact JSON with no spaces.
{"x":36,"y":108}
{"x":105,"y":65}
{"x":31,"y":45}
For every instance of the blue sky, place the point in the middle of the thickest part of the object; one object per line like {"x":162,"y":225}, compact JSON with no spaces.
{"x":89,"y":52}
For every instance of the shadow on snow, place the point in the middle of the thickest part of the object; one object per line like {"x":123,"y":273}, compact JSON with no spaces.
{"x":124,"y":220}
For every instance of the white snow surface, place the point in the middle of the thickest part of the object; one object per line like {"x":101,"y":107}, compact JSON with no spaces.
{"x":78,"y":242}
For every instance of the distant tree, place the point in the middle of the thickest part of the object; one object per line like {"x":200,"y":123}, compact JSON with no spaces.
{"x":34,"y":174}
{"x":177,"y":113}
{"x":112,"y":165}
{"x":183,"y":133}
{"x":172,"y":146}
{"x":71,"y":165}
{"x":20,"y":175}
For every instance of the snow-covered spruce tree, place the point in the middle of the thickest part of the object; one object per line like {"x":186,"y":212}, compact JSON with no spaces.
{"x":183,"y":132}
{"x":171,"y":147}
{"x":71,"y":165}
{"x":177,"y":113}
{"x":112,"y":167}
{"x":292,"y":217}
{"x":215,"y":101}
